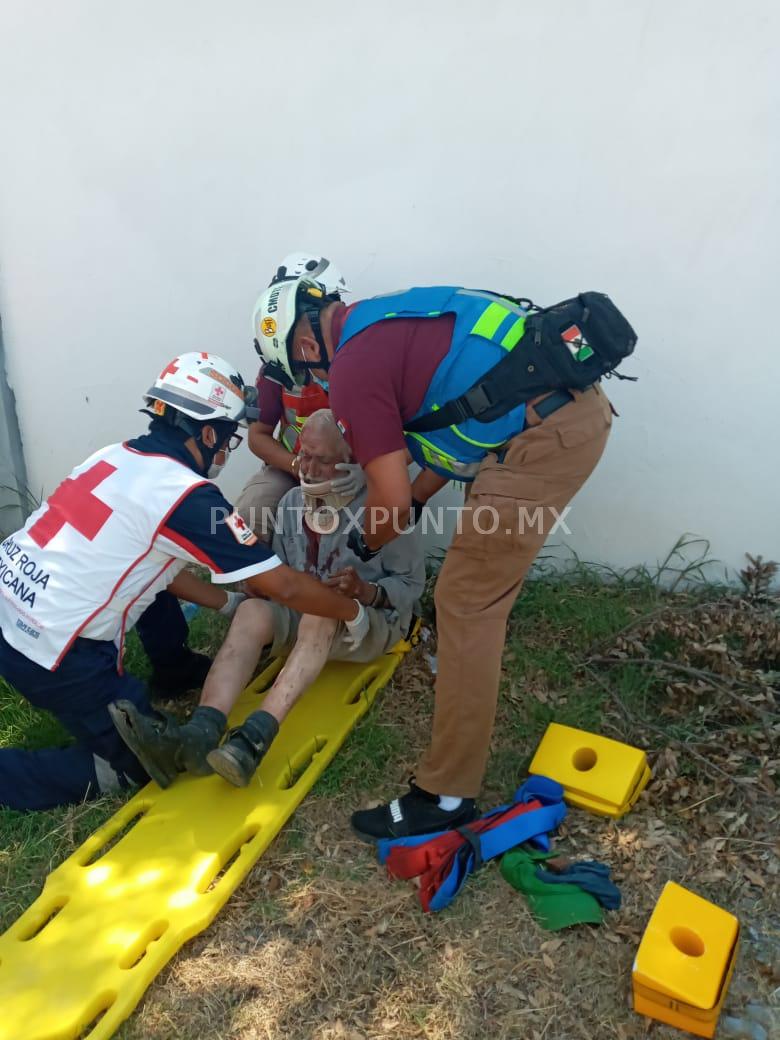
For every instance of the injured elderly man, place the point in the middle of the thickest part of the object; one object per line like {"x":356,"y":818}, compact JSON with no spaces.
{"x":312,"y":528}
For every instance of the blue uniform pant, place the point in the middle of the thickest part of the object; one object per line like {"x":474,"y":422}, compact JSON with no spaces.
{"x":78,"y":693}
{"x":162,"y":629}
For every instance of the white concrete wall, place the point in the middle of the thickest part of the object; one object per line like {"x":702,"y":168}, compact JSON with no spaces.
{"x":158,"y":158}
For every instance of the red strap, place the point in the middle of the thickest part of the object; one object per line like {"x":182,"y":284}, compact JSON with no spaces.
{"x":408,"y":861}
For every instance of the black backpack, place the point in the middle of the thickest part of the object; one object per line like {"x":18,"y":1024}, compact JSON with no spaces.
{"x":568,"y":346}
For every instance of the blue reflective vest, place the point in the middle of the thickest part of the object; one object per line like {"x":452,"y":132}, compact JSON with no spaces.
{"x":486,"y":327}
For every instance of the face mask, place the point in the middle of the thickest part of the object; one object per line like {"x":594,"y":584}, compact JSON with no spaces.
{"x":321,"y":505}
{"x":215,"y":468}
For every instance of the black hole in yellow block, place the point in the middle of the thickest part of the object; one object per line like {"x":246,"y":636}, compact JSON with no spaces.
{"x":687,"y":942}
{"x":584,"y":759}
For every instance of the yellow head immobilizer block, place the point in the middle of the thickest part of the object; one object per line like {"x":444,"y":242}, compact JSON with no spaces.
{"x":685,"y":961}
{"x":596,"y":773}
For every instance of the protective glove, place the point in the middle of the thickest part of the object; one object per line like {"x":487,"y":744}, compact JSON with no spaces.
{"x":233,"y":600}
{"x":357,"y":628}
{"x":353,"y":481}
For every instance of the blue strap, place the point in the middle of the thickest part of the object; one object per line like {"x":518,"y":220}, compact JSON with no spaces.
{"x":536,"y":788}
{"x":494,"y":843}
{"x":533,"y":826}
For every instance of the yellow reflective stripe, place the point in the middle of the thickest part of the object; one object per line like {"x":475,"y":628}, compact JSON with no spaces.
{"x":489,"y":320}
{"x":514,"y":335}
{"x":463,"y":437}
{"x":477,"y":444}
{"x":433,"y":454}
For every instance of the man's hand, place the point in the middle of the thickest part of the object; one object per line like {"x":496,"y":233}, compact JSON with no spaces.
{"x":349,"y":583}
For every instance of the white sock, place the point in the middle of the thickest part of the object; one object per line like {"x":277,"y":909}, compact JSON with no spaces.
{"x":449,"y":802}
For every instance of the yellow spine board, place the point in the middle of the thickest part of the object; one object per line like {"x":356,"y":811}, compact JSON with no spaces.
{"x":77,"y":962}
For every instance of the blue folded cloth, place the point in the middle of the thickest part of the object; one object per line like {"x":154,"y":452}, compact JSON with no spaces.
{"x":591,"y":876}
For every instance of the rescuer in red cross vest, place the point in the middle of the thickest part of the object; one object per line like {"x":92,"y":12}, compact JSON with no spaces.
{"x":288,"y":407}
{"x":87,"y":564}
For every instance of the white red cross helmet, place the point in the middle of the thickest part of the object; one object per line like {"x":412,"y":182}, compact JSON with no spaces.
{"x":203,"y":386}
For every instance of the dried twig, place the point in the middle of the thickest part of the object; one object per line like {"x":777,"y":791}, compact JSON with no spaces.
{"x":642,"y":724}
{"x":696,"y":673}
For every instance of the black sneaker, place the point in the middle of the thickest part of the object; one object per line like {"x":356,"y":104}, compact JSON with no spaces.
{"x":417,"y":812}
{"x":174,"y":680}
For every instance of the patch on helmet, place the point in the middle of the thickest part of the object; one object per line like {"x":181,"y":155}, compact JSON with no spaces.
{"x":268,"y":325}
{"x":219,"y":378}
{"x":217,"y":395}
{"x":240,"y":530}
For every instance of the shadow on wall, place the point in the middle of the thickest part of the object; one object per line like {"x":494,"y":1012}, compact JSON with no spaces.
{"x":16,"y":501}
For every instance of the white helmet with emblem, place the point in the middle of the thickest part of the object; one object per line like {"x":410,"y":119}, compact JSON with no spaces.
{"x":318,"y":268}
{"x":277,"y":310}
{"x":203,"y":386}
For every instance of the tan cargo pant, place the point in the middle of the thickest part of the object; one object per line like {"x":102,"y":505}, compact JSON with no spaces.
{"x":261,"y":495}
{"x":522,"y":497}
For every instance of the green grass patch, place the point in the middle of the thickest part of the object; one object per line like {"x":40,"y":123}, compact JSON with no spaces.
{"x":361,"y":762}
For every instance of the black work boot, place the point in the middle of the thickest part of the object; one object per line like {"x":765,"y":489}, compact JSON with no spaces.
{"x":244,"y":747}
{"x":162,"y":746}
{"x":153,"y":739}
{"x":417,"y":812}
{"x":174,"y":679}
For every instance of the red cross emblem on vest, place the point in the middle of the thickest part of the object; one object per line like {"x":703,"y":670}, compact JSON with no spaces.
{"x":73,"y":503}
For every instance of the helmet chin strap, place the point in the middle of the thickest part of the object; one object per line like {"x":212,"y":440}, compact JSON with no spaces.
{"x":313,"y":314}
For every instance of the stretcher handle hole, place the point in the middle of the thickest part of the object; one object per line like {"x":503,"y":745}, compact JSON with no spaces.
{"x":687,"y":942}
{"x":241,"y":840}
{"x":357,"y":693}
{"x":114,"y":837}
{"x":300,"y":762}
{"x":584,"y":759}
{"x":43,"y":919}
{"x":141,"y":947}
{"x":104,"y":1003}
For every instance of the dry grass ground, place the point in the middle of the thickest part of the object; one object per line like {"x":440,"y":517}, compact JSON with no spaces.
{"x":318,"y":943}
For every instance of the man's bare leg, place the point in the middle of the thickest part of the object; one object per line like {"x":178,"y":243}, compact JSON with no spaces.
{"x":241,"y":753}
{"x":251,"y":629}
{"x":307,"y":659}
{"x":165,"y":748}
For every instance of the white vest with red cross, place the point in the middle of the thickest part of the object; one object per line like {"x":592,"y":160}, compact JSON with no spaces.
{"x":298,"y":404}
{"x":88,"y":562}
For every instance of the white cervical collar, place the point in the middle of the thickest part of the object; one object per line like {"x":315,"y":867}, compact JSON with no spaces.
{"x":321,"y":505}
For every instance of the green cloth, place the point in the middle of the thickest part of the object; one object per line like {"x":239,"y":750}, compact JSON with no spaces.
{"x":554,"y":906}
